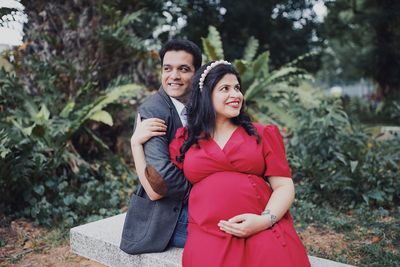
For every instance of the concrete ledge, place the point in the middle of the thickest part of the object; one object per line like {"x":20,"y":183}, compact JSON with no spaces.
{"x":99,"y":241}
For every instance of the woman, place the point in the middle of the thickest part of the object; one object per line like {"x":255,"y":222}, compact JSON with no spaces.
{"x":241,"y":185}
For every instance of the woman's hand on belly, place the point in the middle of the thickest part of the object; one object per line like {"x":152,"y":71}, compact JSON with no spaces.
{"x":245,"y":225}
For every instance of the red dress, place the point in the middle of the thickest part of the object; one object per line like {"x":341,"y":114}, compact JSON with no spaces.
{"x":228,"y":182}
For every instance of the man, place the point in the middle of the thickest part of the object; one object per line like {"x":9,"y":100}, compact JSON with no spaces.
{"x":157,"y":216}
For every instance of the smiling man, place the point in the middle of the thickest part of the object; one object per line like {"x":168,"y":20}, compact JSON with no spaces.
{"x":157,"y":217}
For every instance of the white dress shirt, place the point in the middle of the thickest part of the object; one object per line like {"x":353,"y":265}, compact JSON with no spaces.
{"x":181,"y":109}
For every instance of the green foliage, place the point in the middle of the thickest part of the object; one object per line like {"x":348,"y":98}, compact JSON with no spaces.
{"x":42,"y":174}
{"x":334,"y":158}
{"x":116,"y":35}
{"x":61,"y":103}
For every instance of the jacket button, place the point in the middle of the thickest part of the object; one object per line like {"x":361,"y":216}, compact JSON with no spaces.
{"x":176,"y":209}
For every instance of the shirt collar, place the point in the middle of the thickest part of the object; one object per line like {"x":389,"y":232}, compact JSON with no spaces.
{"x":178,"y":105}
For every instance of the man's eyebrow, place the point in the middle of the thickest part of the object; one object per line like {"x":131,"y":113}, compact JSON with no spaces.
{"x":180,"y":66}
{"x":185,"y":65}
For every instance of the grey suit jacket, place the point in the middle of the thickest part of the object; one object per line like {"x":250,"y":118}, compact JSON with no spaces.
{"x":149,"y":224}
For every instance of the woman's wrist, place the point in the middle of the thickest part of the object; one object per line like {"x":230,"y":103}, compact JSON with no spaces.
{"x":266,"y":222}
{"x":271,"y":218}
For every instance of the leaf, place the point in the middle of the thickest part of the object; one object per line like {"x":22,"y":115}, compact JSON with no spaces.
{"x":29,"y":244}
{"x":102,"y":116}
{"x":209,"y":50}
{"x":69,"y":199}
{"x":112,"y":95}
{"x":260,"y":65}
{"x":353,"y":165}
{"x":212,"y":45}
{"x":250,"y":49}
{"x":240,"y":65}
{"x":39,"y":189}
{"x":67,"y":109}
{"x":282,"y":73}
{"x":4,"y":151}
{"x":340,"y":157}
{"x":281,"y":113}
{"x":43,"y":115}
{"x":377,"y":195}
{"x":27,"y":131}
{"x":96,"y":138}
{"x":252,"y":91}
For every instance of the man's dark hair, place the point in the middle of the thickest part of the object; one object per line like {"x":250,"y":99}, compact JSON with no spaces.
{"x":182,"y":45}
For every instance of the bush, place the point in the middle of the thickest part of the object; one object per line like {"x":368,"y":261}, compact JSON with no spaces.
{"x":42,"y":174}
{"x":339,"y":163}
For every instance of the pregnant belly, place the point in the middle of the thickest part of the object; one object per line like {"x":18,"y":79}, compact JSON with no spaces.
{"x":223,"y":195}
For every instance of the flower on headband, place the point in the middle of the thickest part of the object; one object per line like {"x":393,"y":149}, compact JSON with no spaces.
{"x":208,"y":69}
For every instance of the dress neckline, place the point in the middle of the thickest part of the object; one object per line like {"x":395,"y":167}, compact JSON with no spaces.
{"x":227,"y":142}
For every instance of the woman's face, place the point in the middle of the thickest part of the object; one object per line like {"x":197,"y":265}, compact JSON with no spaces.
{"x":227,"y":98}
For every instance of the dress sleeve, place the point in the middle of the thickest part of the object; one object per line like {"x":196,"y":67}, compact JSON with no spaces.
{"x":274,"y":153}
{"x":175,"y":146}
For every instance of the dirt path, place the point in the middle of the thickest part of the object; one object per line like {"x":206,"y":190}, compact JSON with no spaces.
{"x":22,"y":244}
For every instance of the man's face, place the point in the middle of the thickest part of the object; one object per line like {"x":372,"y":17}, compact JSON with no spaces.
{"x":177,"y":71}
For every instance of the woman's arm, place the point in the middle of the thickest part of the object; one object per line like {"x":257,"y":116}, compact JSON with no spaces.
{"x":247,"y":224}
{"x":145,"y":130}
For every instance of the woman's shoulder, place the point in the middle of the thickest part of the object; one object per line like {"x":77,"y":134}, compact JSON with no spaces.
{"x":266,"y":129}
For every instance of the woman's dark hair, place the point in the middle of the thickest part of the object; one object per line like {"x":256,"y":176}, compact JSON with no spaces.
{"x":182,"y":45}
{"x":201,"y":114}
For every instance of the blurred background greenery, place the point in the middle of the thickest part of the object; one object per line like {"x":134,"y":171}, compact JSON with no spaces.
{"x":327,"y":72}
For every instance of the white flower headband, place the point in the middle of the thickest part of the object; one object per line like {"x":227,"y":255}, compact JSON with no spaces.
{"x":208,"y":69}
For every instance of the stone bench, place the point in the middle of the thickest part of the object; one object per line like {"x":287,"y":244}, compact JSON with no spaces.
{"x":99,"y":241}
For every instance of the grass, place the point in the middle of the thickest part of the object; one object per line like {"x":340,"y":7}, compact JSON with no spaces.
{"x":364,"y":236}
{"x":57,"y":237}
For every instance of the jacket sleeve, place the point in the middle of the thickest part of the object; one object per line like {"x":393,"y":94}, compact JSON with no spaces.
{"x":157,"y":156}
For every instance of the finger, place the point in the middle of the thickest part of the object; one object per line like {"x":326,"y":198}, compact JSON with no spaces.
{"x":157,"y":129}
{"x":238,"y":218}
{"x":158,"y":124}
{"x":159,"y":120}
{"x":150,"y":125}
{"x":231,"y":230}
{"x":229,"y":225}
{"x":157,"y":133}
{"x":155,"y":120}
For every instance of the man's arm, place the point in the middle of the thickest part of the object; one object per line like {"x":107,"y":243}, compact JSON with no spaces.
{"x":145,"y":130}
{"x":173,"y":183}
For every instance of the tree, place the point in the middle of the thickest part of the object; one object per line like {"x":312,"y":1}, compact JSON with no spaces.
{"x":284,"y":27}
{"x":363,"y":40}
